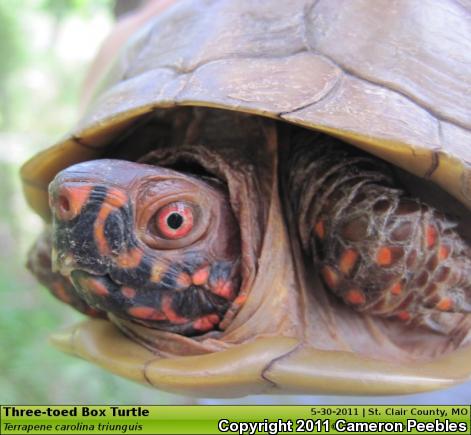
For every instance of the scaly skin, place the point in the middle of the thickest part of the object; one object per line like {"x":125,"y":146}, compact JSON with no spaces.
{"x":381,"y":251}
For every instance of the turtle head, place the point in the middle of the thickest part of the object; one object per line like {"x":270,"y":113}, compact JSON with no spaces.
{"x":146,"y":243}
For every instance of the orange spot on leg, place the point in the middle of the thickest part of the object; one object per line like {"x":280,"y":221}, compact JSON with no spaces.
{"x":348,"y":260}
{"x":396,"y":288}
{"x":319,"y":229}
{"x":403,"y":315}
{"x":443,"y":252}
{"x":200,"y":277}
{"x":355,"y":297}
{"x":384,"y":256}
{"x":330,"y":276}
{"x":445,"y":304}
{"x":431,"y":235}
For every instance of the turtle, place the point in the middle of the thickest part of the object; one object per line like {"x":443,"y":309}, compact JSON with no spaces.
{"x":270,"y":197}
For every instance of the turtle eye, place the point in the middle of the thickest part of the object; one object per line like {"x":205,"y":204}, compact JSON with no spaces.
{"x":174,"y":221}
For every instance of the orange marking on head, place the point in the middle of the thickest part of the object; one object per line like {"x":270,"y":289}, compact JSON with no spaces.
{"x":445,"y":304}
{"x":130,"y":259}
{"x":92,"y":312}
{"x":443,"y":252}
{"x":319,"y":229}
{"x":403,"y":315}
{"x":431,"y":235}
{"x":114,"y":199}
{"x":128,"y":292}
{"x":99,"y":229}
{"x":60,"y":292}
{"x":348,"y":260}
{"x":396,"y":288}
{"x":95,"y":286}
{"x":184,"y":280}
{"x":201,"y":275}
{"x":355,"y":297}
{"x":384,"y":256}
{"x":206,"y":323}
{"x":147,"y":313}
{"x":157,"y":272}
{"x":330,"y":276}
{"x":169,"y":312}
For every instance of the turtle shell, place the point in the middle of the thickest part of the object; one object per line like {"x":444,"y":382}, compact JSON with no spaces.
{"x":388,"y":77}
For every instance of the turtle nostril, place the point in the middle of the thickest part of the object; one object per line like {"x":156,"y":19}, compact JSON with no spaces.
{"x":67,"y":201}
{"x":64,"y":204}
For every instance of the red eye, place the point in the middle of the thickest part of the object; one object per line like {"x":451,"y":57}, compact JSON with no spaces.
{"x":174,"y":221}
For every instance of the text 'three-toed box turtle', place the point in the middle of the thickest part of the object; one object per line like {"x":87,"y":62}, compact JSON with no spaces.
{"x":271,"y":197}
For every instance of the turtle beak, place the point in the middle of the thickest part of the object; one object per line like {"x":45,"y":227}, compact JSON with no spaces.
{"x":66,"y":200}
{"x":80,"y":210}
{"x":87,"y":204}
{"x":62,"y":264}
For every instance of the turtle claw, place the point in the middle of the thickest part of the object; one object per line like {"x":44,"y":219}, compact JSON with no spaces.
{"x":433,"y":323}
{"x":453,"y":325}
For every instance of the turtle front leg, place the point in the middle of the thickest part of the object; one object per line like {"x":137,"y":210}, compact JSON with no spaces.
{"x":382,"y":252}
{"x":40,"y":265}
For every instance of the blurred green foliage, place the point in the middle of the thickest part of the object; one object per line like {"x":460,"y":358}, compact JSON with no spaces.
{"x":60,"y":9}
{"x":13,"y":51}
{"x":45,"y":48}
{"x":32,"y":38}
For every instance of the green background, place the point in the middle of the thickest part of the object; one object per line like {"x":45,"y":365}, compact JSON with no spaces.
{"x":45,"y":46}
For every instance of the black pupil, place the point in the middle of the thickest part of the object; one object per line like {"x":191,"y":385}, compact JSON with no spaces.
{"x":174,"y":221}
